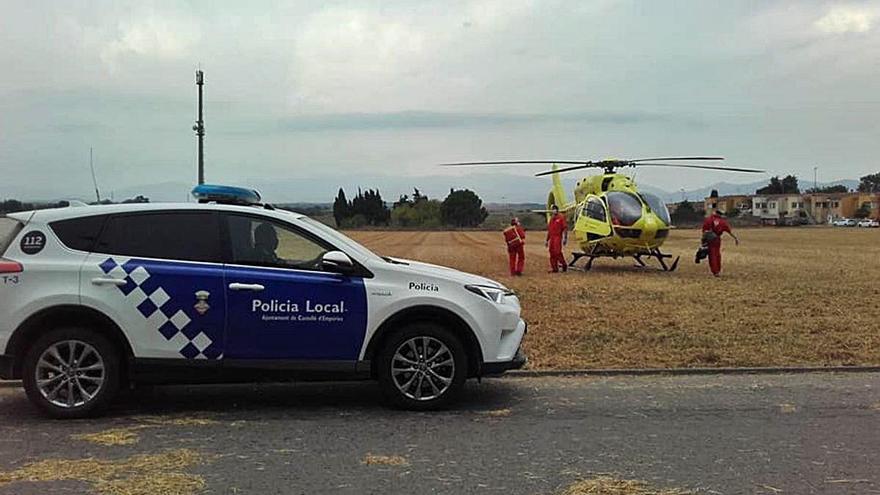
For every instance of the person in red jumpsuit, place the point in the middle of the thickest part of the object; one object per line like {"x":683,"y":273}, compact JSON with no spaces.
{"x":515,"y":237}
{"x":557,"y":236}
{"x":717,"y":225}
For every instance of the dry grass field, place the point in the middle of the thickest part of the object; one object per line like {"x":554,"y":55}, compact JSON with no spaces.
{"x":797,"y":296}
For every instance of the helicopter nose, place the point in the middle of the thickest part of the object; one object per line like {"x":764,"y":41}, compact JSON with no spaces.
{"x":651,"y":225}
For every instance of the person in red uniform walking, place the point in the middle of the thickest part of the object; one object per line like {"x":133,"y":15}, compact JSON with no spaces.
{"x":515,"y":237}
{"x":557,"y":236}
{"x":713,"y":227}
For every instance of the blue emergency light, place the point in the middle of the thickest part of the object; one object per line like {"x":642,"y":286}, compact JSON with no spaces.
{"x":205,"y":193}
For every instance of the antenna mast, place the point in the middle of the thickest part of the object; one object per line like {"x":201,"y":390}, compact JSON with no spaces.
{"x":200,"y":127}
{"x":94,"y":178}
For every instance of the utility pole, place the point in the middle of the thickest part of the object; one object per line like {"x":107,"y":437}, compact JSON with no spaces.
{"x":200,"y":127}
{"x":815,"y":178}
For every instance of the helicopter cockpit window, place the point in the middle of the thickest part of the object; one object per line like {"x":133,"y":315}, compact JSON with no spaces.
{"x":658,"y":207}
{"x":595,"y":209}
{"x":625,"y":208}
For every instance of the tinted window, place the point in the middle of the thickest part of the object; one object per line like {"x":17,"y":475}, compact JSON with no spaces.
{"x":79,"y":233}
{"x":658,"y":207}
{"x":8,"y":229}
{"x":595,"y":209}
{"x":258,"y":241}
{"x":338,"y":238}
{"x":626,"y":209}
{"x":186,"y":236}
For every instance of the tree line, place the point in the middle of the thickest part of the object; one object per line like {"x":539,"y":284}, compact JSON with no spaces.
{"x":789,"y":185}
{"x":460,"y":208}
{"x":14,"y":205}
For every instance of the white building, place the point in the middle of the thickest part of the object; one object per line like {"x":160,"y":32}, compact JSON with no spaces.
{"x":772,"y":208}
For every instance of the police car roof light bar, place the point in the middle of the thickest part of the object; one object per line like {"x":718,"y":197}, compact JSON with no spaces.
{"x":206,"y":193}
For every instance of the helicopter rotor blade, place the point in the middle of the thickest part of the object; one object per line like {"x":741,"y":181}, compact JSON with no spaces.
{"x":676,"y":159}
{"x":514,"y":162}
{"x":610,"y":164}
{"x":569,"y":169}
{"x":629,"y":163}
{"x":574,"y":162}
{"x":704,"y":167}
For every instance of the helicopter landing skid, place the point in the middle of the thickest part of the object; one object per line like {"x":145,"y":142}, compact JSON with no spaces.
{"x":661,"y":258}
{"x":654,"y":253}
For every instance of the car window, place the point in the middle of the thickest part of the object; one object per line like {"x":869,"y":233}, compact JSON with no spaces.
{"x":9,"y":227}
{"x":338,"y":238}
{"x":79,"y":233}
{"x":262,"y":242}
{"x":185,"y":236}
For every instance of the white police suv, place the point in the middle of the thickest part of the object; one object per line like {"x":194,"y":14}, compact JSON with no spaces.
{"x":96,"y":297}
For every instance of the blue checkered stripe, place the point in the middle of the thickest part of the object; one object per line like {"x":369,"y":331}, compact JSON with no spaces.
{"x":161,"y":313}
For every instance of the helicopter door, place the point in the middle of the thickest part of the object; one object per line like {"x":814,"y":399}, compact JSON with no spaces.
{"x":594,"y":218}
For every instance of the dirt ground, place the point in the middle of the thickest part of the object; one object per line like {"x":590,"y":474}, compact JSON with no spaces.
{"x":796,"y":296}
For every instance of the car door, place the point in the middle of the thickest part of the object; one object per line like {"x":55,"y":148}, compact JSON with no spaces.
{"x":282,"y":305}
{"x":159,"y":275}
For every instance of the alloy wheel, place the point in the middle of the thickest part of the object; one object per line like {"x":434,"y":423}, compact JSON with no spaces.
{"x":69,"y":373}
{"x":423,"y":368}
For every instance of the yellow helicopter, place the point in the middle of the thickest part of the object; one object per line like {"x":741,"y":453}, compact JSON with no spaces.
{"x":611,"y":218}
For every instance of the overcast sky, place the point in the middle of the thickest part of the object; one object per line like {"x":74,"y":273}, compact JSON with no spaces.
{"x":331,"y":89}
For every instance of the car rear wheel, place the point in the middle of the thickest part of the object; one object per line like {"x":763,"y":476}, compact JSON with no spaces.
{"x":71,"y":373}
{"x":422,"y":366}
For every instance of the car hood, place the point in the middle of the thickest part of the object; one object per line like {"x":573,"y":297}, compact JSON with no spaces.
{"x":451,"y":274}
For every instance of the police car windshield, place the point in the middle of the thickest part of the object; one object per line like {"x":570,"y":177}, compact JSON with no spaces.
{"x":338,"y":238}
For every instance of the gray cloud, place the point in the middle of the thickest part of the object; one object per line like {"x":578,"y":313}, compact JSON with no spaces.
{"x":417,"y":119}
{"x":302,"y":91}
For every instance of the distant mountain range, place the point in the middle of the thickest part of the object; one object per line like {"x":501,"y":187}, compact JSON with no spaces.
{"x":726,"y":189}
{"x":493,"y":188}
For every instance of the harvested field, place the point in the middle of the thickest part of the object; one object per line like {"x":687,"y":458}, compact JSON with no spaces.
{"x":797,"y":296}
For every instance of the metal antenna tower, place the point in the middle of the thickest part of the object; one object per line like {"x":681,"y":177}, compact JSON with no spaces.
{"x":200,"y":127}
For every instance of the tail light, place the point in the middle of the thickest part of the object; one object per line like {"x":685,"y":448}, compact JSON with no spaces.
{"x":7,"y":266}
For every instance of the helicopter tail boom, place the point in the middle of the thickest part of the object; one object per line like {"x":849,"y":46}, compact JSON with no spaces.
{"x":558,"y":197}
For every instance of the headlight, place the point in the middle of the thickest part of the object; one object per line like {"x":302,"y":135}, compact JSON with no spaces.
{"x":494,"y":294}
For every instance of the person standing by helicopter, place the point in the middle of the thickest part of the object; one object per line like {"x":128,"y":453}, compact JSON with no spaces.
{"x":557,"y":236}
{"x":713,"y":227}
{"x":515,"y":237}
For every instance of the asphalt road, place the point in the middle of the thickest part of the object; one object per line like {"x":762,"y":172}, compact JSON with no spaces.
{"x":791,"y":434}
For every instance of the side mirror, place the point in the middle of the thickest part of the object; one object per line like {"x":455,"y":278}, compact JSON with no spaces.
{"x":337,"y":261}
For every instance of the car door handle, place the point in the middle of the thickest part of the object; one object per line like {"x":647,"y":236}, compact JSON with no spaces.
{"x":119,"y":282}
{"x":250,"y":287}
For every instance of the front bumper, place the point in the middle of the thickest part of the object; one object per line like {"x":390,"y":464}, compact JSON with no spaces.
{"x":495,"y":369}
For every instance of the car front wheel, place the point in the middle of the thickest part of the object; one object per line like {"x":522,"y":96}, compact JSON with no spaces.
{"x":71,"y":373}
{"x":422,"y":367}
